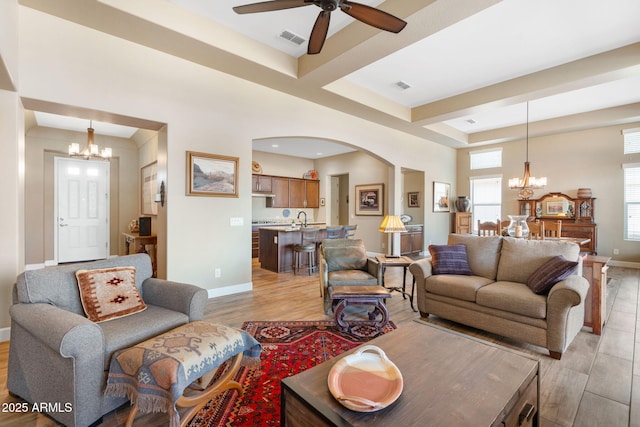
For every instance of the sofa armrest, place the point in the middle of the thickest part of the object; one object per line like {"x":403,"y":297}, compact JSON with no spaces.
{"x":184,"y":298}
{"x":67,"y":333}
{"x":421,"y":269}
{"x":567,"y":293}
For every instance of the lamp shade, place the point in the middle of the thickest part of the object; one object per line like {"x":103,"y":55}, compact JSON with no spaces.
{"x":392,"y":224}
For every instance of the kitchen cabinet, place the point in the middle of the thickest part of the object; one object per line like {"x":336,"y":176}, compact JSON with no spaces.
{"x":260,"y":183}
{"x":412,"y":241}
{"x":280,"y":189}
{"x":294,"y":193}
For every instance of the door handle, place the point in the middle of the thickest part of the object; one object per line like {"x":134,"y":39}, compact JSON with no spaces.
{"x":63,"y":225}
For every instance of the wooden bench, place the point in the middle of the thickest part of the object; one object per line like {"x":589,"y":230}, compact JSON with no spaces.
{"x":343,"y":296}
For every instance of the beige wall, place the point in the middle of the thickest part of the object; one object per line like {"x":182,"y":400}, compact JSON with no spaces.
{"x":205,"y":111}
{"x":42,"y":146}
{"x":588,"y":158}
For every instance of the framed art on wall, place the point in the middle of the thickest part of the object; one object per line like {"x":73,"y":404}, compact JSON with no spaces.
{"x":370,"y":199}
{"x":441,"y":197}
{"x":413,"y":199}
{"x":211,"y":175}
{"x":149,"y":188}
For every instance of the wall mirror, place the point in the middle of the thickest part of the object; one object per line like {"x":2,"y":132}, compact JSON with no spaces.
{"x":555,"y":205}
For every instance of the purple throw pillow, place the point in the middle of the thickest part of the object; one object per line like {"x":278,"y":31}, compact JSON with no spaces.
{"x":550,"y":273}
{"x":450,"y":259}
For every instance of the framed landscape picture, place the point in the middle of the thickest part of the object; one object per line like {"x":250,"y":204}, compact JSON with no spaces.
{"x":370,"y":199}
{"x":441,"y":197}
{"x":211,"y":175}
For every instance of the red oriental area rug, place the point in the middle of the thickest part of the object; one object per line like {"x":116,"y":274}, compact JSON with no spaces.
{"x":288,"y":348}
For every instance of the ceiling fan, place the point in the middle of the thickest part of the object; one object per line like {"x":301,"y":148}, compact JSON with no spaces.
{"x":361,"y":12}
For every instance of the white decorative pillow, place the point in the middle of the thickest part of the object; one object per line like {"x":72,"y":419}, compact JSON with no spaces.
{"x":109,"y":293}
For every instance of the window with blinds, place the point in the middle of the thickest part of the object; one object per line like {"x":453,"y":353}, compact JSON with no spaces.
{"x":632,"y":201}
{"x":631,"y":141}
{"x":486,"y":198}
{"x":484,"y":159}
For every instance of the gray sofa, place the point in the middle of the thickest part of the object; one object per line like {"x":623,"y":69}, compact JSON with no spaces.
{"x":495,"y":298}
{"x":59,"y":357}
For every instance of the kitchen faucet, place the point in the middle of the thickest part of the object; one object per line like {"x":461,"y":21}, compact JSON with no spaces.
{"x":304,"y":224}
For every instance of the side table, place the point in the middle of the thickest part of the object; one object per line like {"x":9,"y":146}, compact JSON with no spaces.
{"x":140,"y":246}
{"x":594,"y":269}
{"x":401,"y":261}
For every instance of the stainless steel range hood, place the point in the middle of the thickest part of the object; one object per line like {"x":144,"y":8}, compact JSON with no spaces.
{"x":265,"y":195}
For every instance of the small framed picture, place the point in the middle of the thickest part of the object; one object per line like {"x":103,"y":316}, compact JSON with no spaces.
{"x":441,"y":197}
{"x":211,"y":175}
{"x":413,"y":199}
{"x":149,"y":188}
{"x":370,"y":199}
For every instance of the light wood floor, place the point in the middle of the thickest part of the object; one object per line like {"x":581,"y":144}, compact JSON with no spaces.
{"x":597,"y":382}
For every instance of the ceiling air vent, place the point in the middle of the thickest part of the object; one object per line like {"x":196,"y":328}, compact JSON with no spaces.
{"x":403,"y":85}
{"x":292,"y":37}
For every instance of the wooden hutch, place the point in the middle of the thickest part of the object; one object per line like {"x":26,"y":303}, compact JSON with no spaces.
{"x":577,"y":216}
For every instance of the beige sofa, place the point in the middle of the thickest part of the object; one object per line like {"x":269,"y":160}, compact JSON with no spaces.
{"x":496,"y":298}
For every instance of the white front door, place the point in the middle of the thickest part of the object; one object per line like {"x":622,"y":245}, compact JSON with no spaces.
{"x":82,"y":209}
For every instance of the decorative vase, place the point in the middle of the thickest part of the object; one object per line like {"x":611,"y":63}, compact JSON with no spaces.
{"x":518,"y":226}
{"x":463,"y":204}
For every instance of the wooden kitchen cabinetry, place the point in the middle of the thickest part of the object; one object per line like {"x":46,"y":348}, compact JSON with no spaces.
{"x":280,"y":189}
{"x":462,"y":223}
{"x":260,"y":183}
{"x":294,"y":193}
{"x":412,"y":242}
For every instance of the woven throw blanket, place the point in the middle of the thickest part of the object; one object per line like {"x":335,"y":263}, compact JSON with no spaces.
{"x":153,"y":374}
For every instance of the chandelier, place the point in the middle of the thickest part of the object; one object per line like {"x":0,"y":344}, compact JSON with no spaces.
{"x":527,"y":183}
{"x":92,"y":150}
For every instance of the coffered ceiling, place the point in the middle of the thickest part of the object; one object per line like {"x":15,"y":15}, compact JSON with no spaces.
{"x":471,"y":66}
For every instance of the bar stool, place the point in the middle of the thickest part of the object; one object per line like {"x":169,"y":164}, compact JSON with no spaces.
{"x":307,"y":246}
{"x":335,"y":232}
{"x":350,"y":231}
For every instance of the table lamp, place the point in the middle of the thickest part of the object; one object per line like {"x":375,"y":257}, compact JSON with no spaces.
{"x":392,"y":224}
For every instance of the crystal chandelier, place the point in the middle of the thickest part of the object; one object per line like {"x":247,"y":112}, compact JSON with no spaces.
{"x":92,"y":150}
{"x":527,"y":183}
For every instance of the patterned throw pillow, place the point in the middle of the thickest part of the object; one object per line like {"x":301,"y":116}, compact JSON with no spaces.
{"x":109,"y":293}
{"x":550,"y":273}
{"x":450,"y":259}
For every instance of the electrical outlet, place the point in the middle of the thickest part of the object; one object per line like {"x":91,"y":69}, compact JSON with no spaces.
{"x":616,"y":251}
{"x":218,"y":272}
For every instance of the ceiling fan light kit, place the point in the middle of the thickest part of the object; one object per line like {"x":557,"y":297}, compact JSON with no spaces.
{"x":363,"y":13}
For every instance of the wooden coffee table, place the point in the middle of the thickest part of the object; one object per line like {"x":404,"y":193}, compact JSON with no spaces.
{"x":449,"y":380}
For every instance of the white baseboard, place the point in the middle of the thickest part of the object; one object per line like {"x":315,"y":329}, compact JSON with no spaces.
{"x":5,"y":334}
{"x":230,"y":290}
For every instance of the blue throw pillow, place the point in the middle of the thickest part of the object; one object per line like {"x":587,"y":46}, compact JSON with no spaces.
{"x":450,"y":259}
{"x":550,"y":273}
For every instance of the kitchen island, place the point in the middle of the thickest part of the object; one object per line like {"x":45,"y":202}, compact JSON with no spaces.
{"x":276,"y":246}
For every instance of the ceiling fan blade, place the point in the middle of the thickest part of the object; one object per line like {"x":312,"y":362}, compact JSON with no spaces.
{"x":319,"y":33}
{"x":268,"y":6}
{"x":372,"y":16}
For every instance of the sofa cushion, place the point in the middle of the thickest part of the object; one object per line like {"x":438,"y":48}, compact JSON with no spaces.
{"x":351,"y":277}
{"x":127,"y":331}
{"x":109,"y":293}
{"x":521,"y":257}
{"x":514,"y":298}
{"x":456,"y":286}
{"x":449,"y":259}
{"x":483,"y":253}
{"x":345,"y":257}
{"x":550,"y":273}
